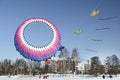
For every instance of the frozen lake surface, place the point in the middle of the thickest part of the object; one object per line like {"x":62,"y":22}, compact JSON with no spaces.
{"x":59,"y":78}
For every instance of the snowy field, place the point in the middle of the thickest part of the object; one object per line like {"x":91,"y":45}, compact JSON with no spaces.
{"x":59,"y":78}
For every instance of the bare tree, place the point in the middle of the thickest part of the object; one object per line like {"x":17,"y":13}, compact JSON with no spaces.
{"x":114,"y":60}
{"x":112,"y":65}
{"x":75,"y":54}
{"x":64,"y":53}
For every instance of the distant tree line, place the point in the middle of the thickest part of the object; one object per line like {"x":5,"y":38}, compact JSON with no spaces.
{"x":25,"y":66}
{"x":111,"y":66}
{"x":19,"y":66}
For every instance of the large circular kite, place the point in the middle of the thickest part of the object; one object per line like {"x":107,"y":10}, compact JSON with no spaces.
{"x":32,"y":52}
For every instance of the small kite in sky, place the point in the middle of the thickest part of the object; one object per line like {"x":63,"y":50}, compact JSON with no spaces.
{"x":103,"y":28}
{"x":97,"y":40}
{"x":78,"y":31}
{"x":61,"y":48}
{"x":91,"y":50}
{"x":94,"y":12}
{"x":108,"y":18}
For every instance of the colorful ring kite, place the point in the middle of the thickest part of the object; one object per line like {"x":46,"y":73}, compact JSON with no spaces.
{"x":36,"y":53}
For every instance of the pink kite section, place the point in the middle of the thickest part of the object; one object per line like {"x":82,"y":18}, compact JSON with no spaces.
{"x":36,"y":53}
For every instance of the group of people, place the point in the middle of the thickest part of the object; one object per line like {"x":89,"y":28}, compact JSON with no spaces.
{"x":110,"y":76}
{"x":43,"y":76}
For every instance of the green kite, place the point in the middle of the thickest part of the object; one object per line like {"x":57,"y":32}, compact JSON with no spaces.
{"x":78,"y":31}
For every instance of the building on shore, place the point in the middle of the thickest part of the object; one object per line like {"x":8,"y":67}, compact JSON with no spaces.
{"x":67,"y":65}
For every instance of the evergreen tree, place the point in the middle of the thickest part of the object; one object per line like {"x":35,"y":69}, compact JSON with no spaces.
{"x":96,"y":67}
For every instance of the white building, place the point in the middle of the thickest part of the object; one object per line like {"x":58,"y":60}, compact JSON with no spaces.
{"x":61,"y":65}
{"x":83,"y":68}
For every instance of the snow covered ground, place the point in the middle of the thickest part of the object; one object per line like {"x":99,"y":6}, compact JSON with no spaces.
{"x":54,"y":77}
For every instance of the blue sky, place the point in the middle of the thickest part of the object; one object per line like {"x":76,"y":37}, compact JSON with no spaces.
{"x":67,"y":15}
